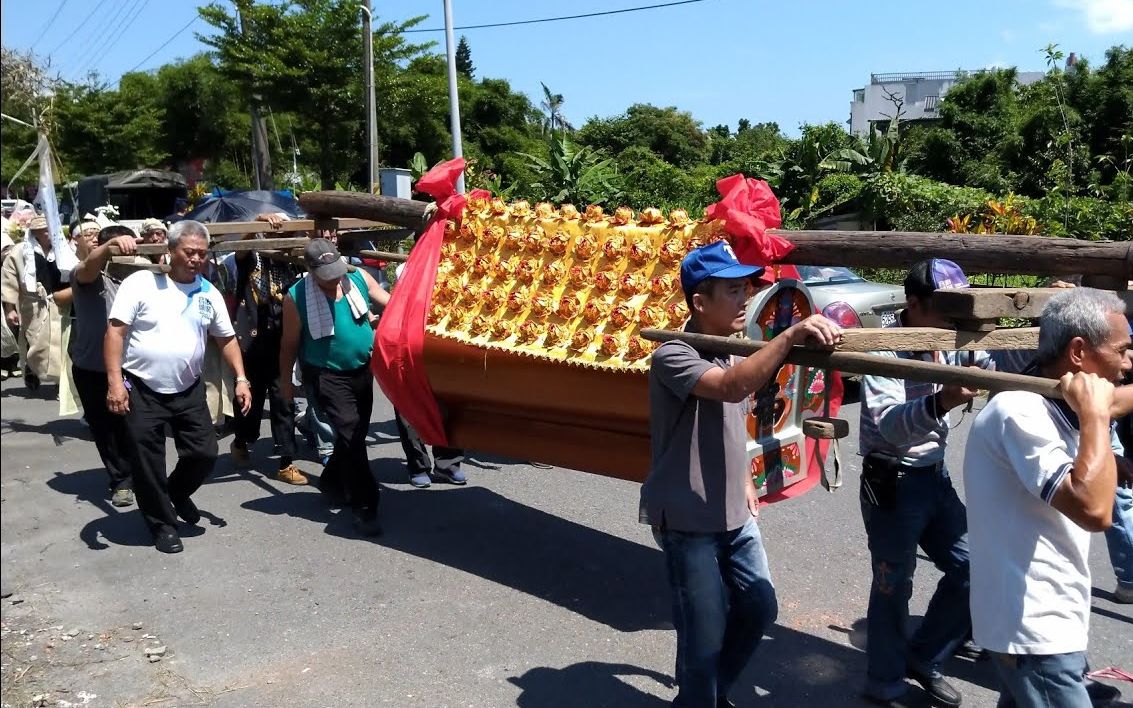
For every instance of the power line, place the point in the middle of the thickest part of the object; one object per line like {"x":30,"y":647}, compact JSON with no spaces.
{"x":165,"y":43}
{"x":96,"y":8}
{"x":558,"y":19}
{"x":50,"y":22}
{"x":97,"y":38}
{"x":121,"y":31}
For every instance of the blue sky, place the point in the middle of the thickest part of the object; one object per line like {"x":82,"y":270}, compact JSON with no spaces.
{"x":789,"y":62}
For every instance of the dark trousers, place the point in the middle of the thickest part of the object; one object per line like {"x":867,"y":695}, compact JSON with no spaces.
{"x":187,"y":416}
{"x":111,"y":434}
{"x":917,"y":507}
{"x":261,"y":362}
{"x":347,"y":397}
{"x":417,"y":456}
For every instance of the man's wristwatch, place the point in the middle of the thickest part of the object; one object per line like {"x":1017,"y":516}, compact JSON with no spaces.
{"x":243,"y":379}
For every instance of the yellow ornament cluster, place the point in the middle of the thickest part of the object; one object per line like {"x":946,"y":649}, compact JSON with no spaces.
{"x":562,"y":285}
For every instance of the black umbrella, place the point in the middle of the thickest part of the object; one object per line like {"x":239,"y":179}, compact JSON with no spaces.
{"x":244,"y":206}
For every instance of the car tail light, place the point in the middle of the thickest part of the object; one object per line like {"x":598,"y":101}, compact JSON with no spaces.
{"x":842,"y":313}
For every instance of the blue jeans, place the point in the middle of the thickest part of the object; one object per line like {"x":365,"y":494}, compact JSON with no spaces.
{"x":1042,"y":681}
{"x":1119,"y":537}
{"x":317,"y":428}
{"x":723,"y":604}
{"x":924,"y":511}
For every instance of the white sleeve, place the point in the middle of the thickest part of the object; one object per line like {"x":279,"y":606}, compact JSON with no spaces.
{"x":129,"y":297}
{"x":1036,"y":449}
{"x":221,"y":324}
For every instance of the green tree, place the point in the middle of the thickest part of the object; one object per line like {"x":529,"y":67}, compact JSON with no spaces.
{"x":673,"y":135}
{"x":101,"y":130}
{"x":464,"y":58}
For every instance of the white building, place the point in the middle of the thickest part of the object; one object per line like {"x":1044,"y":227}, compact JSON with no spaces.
{"x":919,"y":94}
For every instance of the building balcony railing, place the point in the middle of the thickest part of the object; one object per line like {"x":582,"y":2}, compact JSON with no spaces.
{"x":901,"y":77}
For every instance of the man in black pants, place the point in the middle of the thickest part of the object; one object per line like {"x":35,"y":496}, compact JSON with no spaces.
{"x":154,"y":350}
{"x":444,"y":466}
{"x":328,"y":324}
{"x":261,"y":284}
{"x":93,"y":293}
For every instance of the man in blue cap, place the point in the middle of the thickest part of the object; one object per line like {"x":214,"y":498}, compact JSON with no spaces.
{"x":907,"y":499}
{"x":699,"y":497}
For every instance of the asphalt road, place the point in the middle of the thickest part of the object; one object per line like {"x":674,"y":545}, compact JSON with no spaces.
{"x":529,"y":587}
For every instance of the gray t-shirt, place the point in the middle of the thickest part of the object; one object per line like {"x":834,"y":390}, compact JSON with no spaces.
{"x":698,"y":479}
{"x":91,"y":304}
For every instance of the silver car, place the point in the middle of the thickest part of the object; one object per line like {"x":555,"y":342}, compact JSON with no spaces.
{"x":850,"y":300}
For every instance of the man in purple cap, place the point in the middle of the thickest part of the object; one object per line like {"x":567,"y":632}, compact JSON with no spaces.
{"x":699,"y":497}
{"x":907,"y":500}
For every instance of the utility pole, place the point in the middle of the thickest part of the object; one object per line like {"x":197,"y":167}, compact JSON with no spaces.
{"x":371,"y":104}
{"x":453,"y":97}
{"x":261,"y":153}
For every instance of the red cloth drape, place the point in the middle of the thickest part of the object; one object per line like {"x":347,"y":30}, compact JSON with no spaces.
{"x":398,"y":361}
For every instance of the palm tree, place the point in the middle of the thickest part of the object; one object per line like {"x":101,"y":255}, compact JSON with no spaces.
{"x":553,"y":105}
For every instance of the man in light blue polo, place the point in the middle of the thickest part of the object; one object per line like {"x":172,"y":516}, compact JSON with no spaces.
{"x":699,"y":497}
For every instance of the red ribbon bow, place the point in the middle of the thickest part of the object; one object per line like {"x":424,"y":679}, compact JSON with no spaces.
{"x":748,"y":208}
{"x":398,"y":362}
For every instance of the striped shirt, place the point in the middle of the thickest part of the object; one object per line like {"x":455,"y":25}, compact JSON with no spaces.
{"x":899,"y":417}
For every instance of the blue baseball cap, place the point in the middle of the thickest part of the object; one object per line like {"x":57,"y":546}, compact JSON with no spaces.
{"x":716,"y":260}
{"x":932,"y":274}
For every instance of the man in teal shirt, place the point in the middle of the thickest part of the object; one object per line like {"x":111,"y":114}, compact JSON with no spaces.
{"x":328,"y":323}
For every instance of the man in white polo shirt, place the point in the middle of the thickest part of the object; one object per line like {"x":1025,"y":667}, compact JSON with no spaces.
{"x":154,"y":350}
{"x":1040,"y":476}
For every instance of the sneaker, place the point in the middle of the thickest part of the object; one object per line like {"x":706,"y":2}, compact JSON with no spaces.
{"x":421,"y":480}
{"x":291,"y":475}
{"x":122,"y":497}
{"x":187,"y":510}
{"x":1123,"y":594}
{"x":938,"y":689}
{"x":240,"y":455}
{"x":455,"y":476}
{"x":166,"y":540}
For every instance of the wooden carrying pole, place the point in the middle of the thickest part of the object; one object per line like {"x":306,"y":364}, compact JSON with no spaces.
{"x":1038,"y":255}
{"x":857,"y":363}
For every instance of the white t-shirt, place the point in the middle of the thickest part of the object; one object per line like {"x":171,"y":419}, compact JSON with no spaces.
{"x":169,"y":325}
{"x":1030,"y":590}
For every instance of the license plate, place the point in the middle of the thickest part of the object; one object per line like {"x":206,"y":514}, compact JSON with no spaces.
{"x":888,"y":319}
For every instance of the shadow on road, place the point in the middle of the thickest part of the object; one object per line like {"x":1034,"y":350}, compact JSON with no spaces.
{"x":119,"y":527}
{"x":589,"y":684}
{"x":60,"y":429}
{"x":610,"y":580}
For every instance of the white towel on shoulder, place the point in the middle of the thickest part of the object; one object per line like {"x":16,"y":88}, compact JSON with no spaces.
{"x":320,"y":316}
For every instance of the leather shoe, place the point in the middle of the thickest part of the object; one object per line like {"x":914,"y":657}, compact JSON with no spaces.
{"x":366,"y":521}
{"x":166,"y":540}
{"x":939,"y":690}
{"x":187,"y":510}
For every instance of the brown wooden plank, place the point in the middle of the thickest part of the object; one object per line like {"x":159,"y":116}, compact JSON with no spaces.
{"x":242,"y":228}
{"x":993,"y":303}
{"x":383,"y":256}
{"x":923,"y":339}
{"x":974,"y":253}
{"x":871,"y":364}
{"x":260,"y":244}
{"x":144,"y":249}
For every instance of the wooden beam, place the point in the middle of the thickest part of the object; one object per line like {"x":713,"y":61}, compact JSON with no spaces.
{"x":1037,"y":255}
{"x":871,"y":364}
{"x":260,"y":244}
{"x":236,"y":229}
{"x":127,"y":263}
{"x":383,"y":256}
{"x":926,"y":339}
{"x":390,"y":210}
{"x":993,"y":303}
{"x":144,"y":249}
{"x":873,"y":249}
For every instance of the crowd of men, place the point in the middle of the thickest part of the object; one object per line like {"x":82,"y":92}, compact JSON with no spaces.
{"x":1042,"y":474}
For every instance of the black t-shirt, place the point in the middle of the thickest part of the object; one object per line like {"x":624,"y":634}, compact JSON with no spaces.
{"x":47,"y":274}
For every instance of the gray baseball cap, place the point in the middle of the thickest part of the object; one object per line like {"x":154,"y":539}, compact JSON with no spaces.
{"x":323,"y":260}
